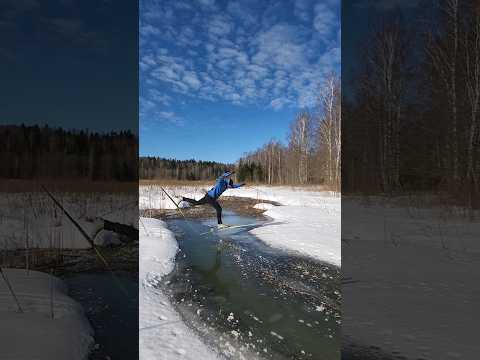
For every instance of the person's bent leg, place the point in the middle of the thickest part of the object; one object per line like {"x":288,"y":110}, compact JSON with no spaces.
{"x":218,"y":208}
{"x":202,"y":201}
{"x":192,"y":201}
{"x":129,"y":231}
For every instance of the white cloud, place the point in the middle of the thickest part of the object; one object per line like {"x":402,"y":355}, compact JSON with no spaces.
{"x":159,"y":97}
{"x":210,"y":47}
{"x":239,"y":56}
{"x":208,"y":3}
{"x":219,"y":26}
{"x":279,"y":45}
{"x":325,"y":19}
{"x":146,"y":30}
{"x":302,"y":9}
{"x":279,"y":103}
{"x":168,"y":115}
{"x":182,"y":5}
{"x":218,"y":55}
{"x":190,"y":78}
{"x":239,"y":11}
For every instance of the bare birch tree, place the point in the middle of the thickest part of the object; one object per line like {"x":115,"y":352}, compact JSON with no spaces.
{"x":442,"y":51}
{"x":329,"y":130}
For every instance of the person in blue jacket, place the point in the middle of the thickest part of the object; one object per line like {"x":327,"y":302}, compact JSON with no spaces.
{"x":223,"y":183}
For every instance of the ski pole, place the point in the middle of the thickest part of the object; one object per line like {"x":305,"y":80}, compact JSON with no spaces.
{"x":90,"y":241}
{"x":11,"y":289}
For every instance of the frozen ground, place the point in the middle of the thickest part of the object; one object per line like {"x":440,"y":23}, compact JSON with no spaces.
{"x":420,"y":298}
{"x":67,"y":335}
{"x":162,"y":333}
{"x":308,"y":220}
{"x":32,"y":220}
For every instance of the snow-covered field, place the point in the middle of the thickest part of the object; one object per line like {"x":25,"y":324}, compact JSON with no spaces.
{"x":417,"y":277}
{"x":32,"y":220}
{"x":162,"y":333}
{"x":442,"y":228}
{"x":34,"y":334}
{"x":307,"y":222}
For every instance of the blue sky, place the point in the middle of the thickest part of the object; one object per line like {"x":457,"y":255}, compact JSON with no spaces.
{"x":218,"y":78}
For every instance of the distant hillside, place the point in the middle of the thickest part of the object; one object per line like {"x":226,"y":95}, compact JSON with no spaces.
{"x":156,"y":168}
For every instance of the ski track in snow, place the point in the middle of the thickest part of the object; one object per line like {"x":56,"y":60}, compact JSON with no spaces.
{"x":162,"y":332}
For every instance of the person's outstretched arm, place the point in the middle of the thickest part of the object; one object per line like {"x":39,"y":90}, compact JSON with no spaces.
{"x":235,"y":186}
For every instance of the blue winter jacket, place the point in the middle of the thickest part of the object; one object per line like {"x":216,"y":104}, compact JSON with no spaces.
{"x":221,"y":185}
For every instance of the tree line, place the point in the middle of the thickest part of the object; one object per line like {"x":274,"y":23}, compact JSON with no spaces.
{"x":29,"y":152}
{"x":312,"y":152}
{"x":151,"y":168}
{"x":417,"y":102}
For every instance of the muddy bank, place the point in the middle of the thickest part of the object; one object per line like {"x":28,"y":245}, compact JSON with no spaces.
{"x":119,"y":258}
{"x":69,"y":261}
{"x":241,"y":206}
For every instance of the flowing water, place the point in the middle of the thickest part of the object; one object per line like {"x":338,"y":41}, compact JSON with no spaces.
{"x":111,"y":306}
{"x":252,"y":301}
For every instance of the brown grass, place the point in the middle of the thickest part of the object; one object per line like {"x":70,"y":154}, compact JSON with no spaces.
{"x":170,"y":182}
{"x":70,"y":186}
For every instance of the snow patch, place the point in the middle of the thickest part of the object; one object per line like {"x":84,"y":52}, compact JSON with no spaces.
{"x":162,"y":332}
{"x":67,"y":335}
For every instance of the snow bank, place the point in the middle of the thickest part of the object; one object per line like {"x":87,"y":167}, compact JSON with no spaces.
{"x":287,"y":195}
{"x":307,"y":230}
{"x":308,"y":221}
{"x":67,"y":335}
{"x":162,"y":333}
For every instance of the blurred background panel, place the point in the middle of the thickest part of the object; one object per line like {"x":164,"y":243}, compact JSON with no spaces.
{"x":69,"y":179}
{"x":410,"y":167}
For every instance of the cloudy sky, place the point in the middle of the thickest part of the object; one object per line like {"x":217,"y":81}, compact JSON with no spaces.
{"x":220,"y":78}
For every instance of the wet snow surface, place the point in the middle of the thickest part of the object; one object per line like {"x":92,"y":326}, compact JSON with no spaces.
{"x":251,"y":301}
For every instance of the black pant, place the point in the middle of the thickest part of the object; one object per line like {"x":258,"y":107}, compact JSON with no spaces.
{"x":129,"y":231}
{"x":207,"y":200}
